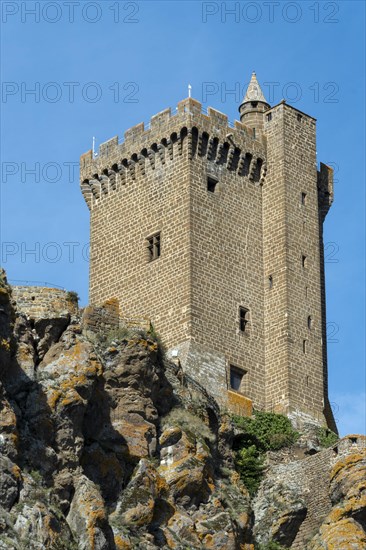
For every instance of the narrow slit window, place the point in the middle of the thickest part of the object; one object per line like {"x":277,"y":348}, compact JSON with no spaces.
{"x":243,"y":319}
{"x":153,"y":247}
{"x":310,"y":322}
{"x":211,"y":184}
{"x":270,"y":282}
{"x":254,"y":133}
{"x":304,"y":346}
{"x":304,"y":261}
{"x":299,"y":117}
{"x":303,"y":198}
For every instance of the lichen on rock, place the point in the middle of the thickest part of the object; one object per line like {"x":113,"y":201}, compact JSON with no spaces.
{"x":104,"y":446}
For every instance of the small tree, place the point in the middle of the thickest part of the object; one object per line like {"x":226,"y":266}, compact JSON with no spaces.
{"x":249,"y":465}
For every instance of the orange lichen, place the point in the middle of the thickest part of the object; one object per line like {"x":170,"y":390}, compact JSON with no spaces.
{"x":73,"y":381}
{"x":344,"y":534}
{"x":94,"y":516}
{"x":16,"y":472}
{"x":144,"y":343}
{"x":53,"y":398}
{"x":348,"y":508}
{"x":239,"y":404}
{"x":243,"y":518}
{"x":8,"y":418}
{"x":121,"y":544}
{"x":348,"y":462}
{"x":49,"y":525}
{"x":23,"y":353}
{"x":161,"y":484}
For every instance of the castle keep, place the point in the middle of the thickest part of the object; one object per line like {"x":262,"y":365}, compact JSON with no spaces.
{"x":214,"y":232}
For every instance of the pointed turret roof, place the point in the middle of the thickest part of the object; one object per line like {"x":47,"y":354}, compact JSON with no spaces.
{"x":254,"y":92}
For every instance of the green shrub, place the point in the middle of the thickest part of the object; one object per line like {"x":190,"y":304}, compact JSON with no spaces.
{"x":263,"y":432}
{"x":190,"y":423}
{"x":249,"y":465}
{"x":267,"y":431}
{"x":326,"y":437}
{"x":271,"y":545}
{"x":115,"y":335}
{"x":72,"y":296}
{"x":36,"y":476}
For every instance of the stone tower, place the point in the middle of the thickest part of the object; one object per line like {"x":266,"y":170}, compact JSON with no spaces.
{"x":252,"y":108}
{"x":214,"y":232}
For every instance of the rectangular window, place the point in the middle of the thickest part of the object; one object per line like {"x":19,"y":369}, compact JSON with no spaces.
{"x":236,"y":378}
{"x":303,"y":198}
{"x":269,"y":117}
{"x":153,"y":247}
{"x":211,"y":184}
{"x":299,"y":117}
{"x":243,"y":319}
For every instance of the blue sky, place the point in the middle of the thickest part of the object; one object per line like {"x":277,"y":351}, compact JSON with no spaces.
{"x":97,"y":68}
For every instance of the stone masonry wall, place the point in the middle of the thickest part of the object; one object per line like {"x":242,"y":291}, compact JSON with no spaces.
{"x":144,"y":204}
{"x":227,"y":268}
{"x":196,"y":284}
{"x":104,"y":318}
{"x":238,"y":243}
{"x":43,"y":302}
{"x":293,"y":311}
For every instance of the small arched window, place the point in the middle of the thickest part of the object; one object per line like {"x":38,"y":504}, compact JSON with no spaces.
{"x":304,"y":346}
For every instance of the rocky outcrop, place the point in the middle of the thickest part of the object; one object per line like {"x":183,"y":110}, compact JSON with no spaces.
{"x":345,"y":526}
{"x":90,"y":457}
{"x":279,"y":509}
{"x":105,"y":446}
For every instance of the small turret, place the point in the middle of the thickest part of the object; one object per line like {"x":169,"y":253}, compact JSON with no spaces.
{"x":253,"y":107}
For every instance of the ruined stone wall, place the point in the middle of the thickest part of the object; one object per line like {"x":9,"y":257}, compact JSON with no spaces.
{"x":42,"y":302}
{"x":101,"y":319}
{"x":310,"y":480}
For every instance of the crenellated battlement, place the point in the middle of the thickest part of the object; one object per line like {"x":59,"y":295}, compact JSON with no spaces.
{"x":188,"y":132}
